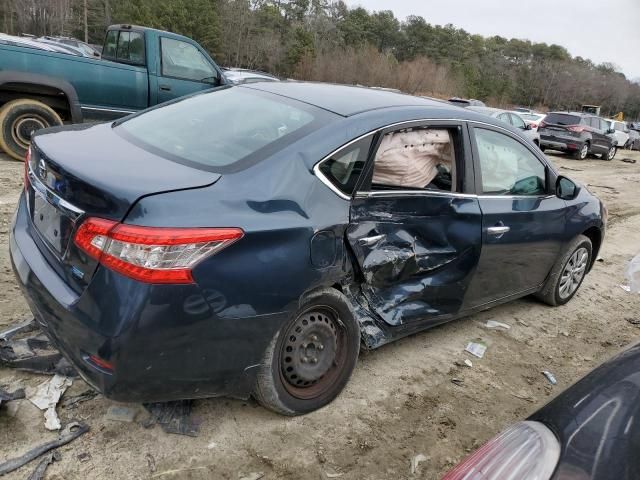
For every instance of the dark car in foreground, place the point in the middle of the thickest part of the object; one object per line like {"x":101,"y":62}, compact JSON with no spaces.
{"x":580,"y":134}
{"x":248,"y":240}
{"x":588,"y":432}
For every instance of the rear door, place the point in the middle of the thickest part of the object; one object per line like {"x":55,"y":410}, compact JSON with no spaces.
{"x":184,"y":69}
{"x":522,"y":219}
{"x":415,"y":229}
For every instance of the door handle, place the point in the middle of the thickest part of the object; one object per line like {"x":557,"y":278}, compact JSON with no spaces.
{"x":498,"y":230}
{"x":166,"y":88}
{"x":368,"y":241}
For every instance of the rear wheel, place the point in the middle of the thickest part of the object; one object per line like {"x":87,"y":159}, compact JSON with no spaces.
{"x":311,"y":358}
{"x":582,"y":153}
{"x":610,"y":154}
{"x":568,"y":273}
{"x":19,"y":119}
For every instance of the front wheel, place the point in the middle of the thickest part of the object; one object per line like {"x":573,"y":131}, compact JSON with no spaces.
{"x":19,"y":119}
{"x":311,"y":358}
{"x":610,"y":154}
{"x":568,"y":273}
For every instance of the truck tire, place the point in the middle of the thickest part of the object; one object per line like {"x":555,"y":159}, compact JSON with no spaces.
{"x":19,"y":119}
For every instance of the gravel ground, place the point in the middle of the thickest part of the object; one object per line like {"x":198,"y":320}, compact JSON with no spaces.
{"x":400,"y":402}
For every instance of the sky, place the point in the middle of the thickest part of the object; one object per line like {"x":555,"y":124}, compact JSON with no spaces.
{"x":601,"y":30}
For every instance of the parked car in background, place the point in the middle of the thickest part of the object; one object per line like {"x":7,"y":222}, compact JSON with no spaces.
{"x":577,"y":133}
{"x":533,"y":118}
{"x":588,"y":432}
{"x":620,"y":132}
{"x":522,"y":110}
{"x":512,"y":118}
{"x":466,"y":102}
{"x":140,"y":67}
{"x":237,"y":76}
{"x":634,"y":140}
{"x":248,"y":240}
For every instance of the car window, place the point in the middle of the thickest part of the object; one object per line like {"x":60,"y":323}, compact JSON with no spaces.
{"x":184,"y":60}
{"x":504,"y":117}
{"x":604,"y":125}
{"x":507,"y":167}
{"x":562,"y":119}
{"x":219,"y":129}
{"x":131,"y":47}
{"x":516,"y":121}
{"x":110,"y":44}
{"x":416,"y":158}
{"x":344,"y":167}
{"x":619,"y":126}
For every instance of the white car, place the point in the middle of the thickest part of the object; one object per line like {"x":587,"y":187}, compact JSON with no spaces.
{"x":512,"y":118}
{"x":532,"y":118}
{"x":621,"y":132}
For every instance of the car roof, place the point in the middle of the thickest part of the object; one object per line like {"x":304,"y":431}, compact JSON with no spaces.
{"x":487,"y":110}
{"x":345,"y":100}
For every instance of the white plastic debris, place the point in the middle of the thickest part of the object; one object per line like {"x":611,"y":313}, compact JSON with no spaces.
{"x":417,"y":460}
{"x":494,"y":324}
{"x":550,"y":377}
{"x":468,"y":363}
{"x":46,"y":397}
{"x":626,"y":288}
{"x":632,"y":273}
{"x":476,"y":348}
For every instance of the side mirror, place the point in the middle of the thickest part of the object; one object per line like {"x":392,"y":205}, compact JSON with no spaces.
{"x":566,"y":189}
{"x":611,"y":130}
{"x":528,"y":126}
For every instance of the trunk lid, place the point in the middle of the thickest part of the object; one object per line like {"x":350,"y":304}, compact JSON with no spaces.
{"x":74,"y":175}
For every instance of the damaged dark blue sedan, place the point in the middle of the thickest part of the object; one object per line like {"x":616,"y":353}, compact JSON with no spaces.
{"x":248,"y":240}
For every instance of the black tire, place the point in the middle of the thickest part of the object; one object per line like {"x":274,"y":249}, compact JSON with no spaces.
{"x":551,"y":291}
{"x":280,"y":384}
{"x":542,"y":148}
{"x":582,"y":153}
{"x":18,"y":120}
{"x":611,"y":153}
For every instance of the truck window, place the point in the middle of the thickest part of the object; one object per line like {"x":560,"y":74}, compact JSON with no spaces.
{"x":131,"y":47}
{"x":183,"y":60}
{"x":110,"y":44}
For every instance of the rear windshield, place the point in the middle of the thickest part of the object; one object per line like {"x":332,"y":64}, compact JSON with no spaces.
{"x":562,"y":119}
{"x":223,"y":130}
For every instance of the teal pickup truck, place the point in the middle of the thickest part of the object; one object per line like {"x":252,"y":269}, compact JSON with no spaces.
{"x":140,"y":67}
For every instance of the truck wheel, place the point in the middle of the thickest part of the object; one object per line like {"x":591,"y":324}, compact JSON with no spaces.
{"x":311,"y":358}
{"x":19,"y":119}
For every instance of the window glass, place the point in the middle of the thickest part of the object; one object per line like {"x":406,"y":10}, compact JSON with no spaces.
{"x":604,"y":125}
{"x":110,"y":44}
{"x":562,"y":119}
{"x":131,"y":47}
{"x":415,"y":159}
{"x":219,"y":128}
{"x":517,"y":121}
{"x":184,"y":60}
{"x":619,"y":126}
{"x":507,"y":167}
{"x":503,"y":117}
{"x":344,"y":168}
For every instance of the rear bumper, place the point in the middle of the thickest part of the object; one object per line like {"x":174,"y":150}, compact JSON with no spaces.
{"x":558,"y":143}
{"x":166,"y":342}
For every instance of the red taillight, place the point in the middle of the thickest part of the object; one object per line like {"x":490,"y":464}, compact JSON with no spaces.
{"x":576,"y":128}
{"x":27,"y":159}
{"x":152,"y":254}
{"x":524,"y":450}
{"x":100,"y":363}
{"x":542,"y":124}
{"x":534,"y":125}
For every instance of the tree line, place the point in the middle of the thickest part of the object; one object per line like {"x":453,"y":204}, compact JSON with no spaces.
{"x":326,"y":40}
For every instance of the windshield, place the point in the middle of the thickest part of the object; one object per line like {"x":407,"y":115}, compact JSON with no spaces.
{"x":221,"y":129}
{"x":562,"y":119}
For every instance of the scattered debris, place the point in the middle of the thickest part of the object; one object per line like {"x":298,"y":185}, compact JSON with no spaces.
{"x":70,"y":432}
{"x":333,"y":475}
{"x":522,"y":322}
{"x":151,"y":462}
{"x":632,"y":273}
{"x":572,"y":169}
{"x":417,"y":460}
{"x":38,"y":473}
{"x":8,"y":397}
{"x":253,"y":476}
{"x":628,"y":160}
{"x":84,"y":457}
{"x":72,"y":402}
{"x":120,"y":413}
{"x":173,"y":417}
{"x":626,"y":288}
{"x":46,"y":398}
{"x":468,"y":363}
{"x":457,"y":381}
{"x":476,"y":348}
{"x":494,"y":324}
{"x":32,"y":353}
{"x":523,"y":396}
{"x":633,"y":321}
{"x":550,"y":377}
{"x":599,"y":259}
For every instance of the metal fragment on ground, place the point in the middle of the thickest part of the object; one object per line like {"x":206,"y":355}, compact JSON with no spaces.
{"x":6,"y":396}
{"x":173,"y":417}
{"x":121,"y":413}
{"x":70,"y":432}
{"x":48,"y":459}
{"x":72,"y":402}
{"x":550,"y":377}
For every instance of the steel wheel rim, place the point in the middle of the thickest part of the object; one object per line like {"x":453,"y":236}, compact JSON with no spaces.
{"x":24,"y":126}
{"x":308,"y":379}
{"x":584,"y":151}
{"x":573,"y":273}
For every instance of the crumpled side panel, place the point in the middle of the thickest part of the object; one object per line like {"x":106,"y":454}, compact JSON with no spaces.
{"x":416,"y":254}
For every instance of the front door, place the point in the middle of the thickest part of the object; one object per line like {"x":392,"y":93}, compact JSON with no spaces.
{"x":522,"y":219}
{"x":184,"y":69}
{"x":414,"y":229}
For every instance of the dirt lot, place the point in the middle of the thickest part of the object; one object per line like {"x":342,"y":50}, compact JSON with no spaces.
{"x":400,"y":401}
